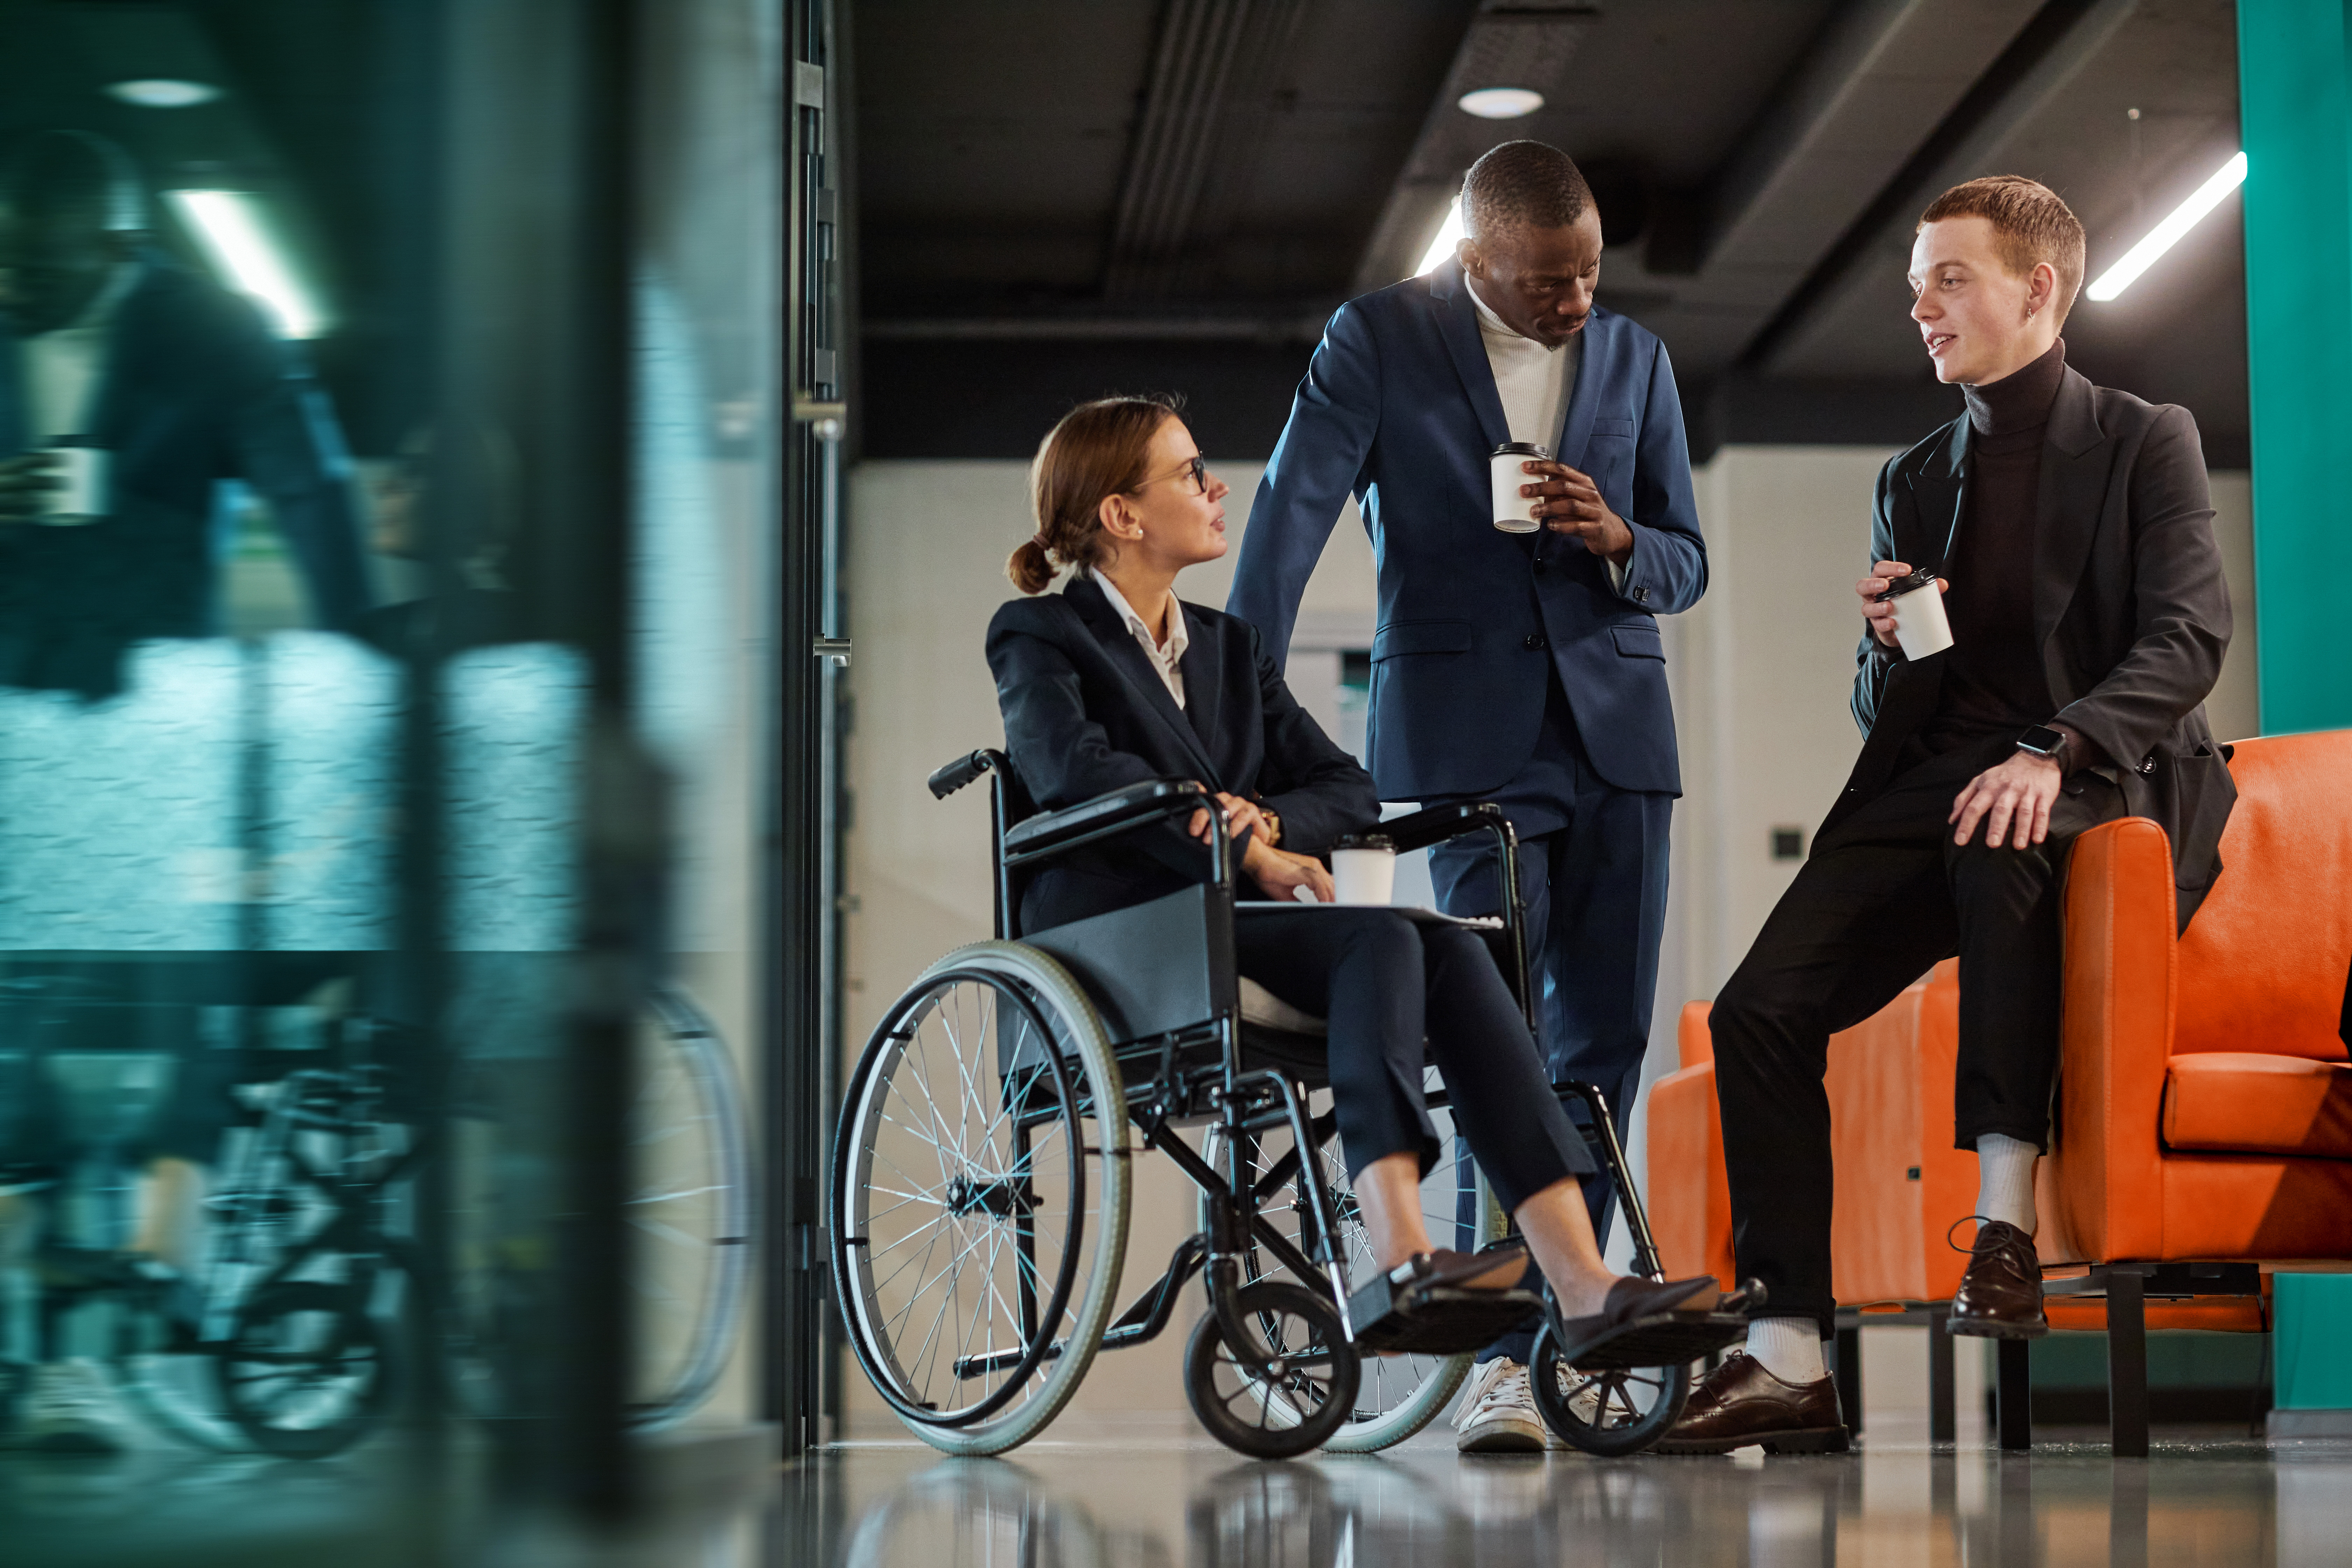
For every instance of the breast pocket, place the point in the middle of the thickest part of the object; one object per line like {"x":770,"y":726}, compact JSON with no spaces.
{"x":1608,"y":460}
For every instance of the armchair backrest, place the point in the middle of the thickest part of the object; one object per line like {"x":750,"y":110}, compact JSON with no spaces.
{"x":2263,"y":965}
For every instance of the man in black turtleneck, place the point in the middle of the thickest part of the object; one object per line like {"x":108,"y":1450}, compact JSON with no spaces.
{"x":2069,"y":528}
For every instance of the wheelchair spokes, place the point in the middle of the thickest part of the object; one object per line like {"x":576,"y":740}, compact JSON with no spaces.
{"x":1396,"y":1395}
{"x":969,"y":1175}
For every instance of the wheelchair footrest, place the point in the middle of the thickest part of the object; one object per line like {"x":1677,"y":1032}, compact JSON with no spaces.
{"x":1662,"y":1339}
{"x":1434,"y":1319}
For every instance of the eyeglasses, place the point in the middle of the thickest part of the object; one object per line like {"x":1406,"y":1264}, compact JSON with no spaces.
{"x":1199,"y":470}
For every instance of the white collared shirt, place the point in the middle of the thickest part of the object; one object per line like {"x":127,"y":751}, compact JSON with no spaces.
{"x":62,"y":367}
{"x":1167,"y":657}
{"x":1535,"y":382}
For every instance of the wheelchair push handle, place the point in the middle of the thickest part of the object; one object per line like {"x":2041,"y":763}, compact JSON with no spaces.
{"x":963,"y":770}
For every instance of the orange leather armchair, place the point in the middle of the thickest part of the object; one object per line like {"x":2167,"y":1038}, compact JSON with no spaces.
{"x":2204,"y":1126}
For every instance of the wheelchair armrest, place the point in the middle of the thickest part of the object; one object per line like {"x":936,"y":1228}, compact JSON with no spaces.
{"x":1420,"y":829}
{"x":1106,"y":816}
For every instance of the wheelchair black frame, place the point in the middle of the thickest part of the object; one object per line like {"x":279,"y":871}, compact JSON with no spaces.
{"x":1243,"y":1102}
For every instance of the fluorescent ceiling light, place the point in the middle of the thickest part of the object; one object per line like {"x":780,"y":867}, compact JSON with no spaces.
{"x":2165,"y":234}
{"x":1449,"y":234}
{"x":230,"y":224}
{"x":164,"y":93}
{"x":1501,"y":102}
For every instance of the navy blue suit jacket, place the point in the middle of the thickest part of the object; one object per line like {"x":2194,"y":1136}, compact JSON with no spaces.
{"x":194,"y":390}
{"x":1085,"y":712}
{"x":1398,"y":407}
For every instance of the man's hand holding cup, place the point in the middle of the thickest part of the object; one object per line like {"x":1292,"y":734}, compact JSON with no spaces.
{"x":1567,"y":501}
{"x":1877,"y":608}
{"x":26,"y":486}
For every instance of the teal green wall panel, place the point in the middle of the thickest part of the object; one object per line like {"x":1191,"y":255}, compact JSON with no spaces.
{"x":2311,"y":1328}
{"x":2296,"y":108}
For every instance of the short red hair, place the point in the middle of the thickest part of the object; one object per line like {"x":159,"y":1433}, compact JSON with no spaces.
{"x":2032,"y":224}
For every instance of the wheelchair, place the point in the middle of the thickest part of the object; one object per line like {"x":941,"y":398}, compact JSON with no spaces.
{"x":981,"y":1171}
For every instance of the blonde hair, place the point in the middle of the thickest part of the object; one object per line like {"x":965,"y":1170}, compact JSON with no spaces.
{"x":2032,"y":224}
{"x":1098,"y":449}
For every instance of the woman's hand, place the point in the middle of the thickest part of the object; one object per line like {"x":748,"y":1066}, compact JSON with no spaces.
{"x":1281,"y":874}
{"x":1240,"y":814}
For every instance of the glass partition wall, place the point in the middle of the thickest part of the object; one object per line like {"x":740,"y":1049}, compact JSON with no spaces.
{"x":407,"y":782}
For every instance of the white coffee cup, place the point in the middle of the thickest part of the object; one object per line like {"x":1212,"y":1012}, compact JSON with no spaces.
{"x":1514,"y":513}
{"x":1363,"y":869}
{"x":81,"y":474}
{"x":1921,"y":626}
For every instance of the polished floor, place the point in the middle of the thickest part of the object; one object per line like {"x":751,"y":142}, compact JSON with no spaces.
{"x":1159,"y":1495}
{"x":2204,"y":1498}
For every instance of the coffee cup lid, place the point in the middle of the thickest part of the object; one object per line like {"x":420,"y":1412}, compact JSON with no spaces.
{"x":1521,"y":449}
{"x":1898,"y":586}
{"x":1366,"y":841}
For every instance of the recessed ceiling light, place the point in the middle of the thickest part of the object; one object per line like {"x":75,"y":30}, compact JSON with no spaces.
{"x":164,"y":93}
{"x":1501,"y":102}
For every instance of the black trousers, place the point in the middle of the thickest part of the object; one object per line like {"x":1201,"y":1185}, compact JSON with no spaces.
{"x":1884,"y":897}
{"x":1395,"y":997}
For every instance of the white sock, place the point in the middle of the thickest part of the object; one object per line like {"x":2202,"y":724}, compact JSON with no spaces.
{"x":1789,"y":1348}
{"x":2005,"y":1180}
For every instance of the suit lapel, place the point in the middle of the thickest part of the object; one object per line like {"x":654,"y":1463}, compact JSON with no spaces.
{"x":1576,"y":421}
{"x":1204,"y":678}
{"x":2066,"y":506}
{"x":1938,"y":491}
{"x":1120,"y":645}
{"x":1458,"y":324}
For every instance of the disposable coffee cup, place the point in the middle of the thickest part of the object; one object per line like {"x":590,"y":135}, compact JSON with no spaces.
{"x":1363,"y":869}
{"x":81,"y":473}
{"x":1920,"y":625}
{"x":1514,"y":513}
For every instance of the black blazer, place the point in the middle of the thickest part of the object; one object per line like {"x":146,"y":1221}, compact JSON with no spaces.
{"x":2129,"y":606}
{"x":1085,"y":712}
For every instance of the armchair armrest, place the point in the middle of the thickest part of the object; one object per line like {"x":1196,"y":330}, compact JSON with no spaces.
{"x":1420,"y":829}
{"x":2104,"y":1184}
{"x":1107,"y":816}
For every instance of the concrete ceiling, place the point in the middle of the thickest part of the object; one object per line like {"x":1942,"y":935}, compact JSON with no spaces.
{"x":1059,"y":196}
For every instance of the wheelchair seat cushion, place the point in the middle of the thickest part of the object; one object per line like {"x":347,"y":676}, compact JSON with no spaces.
{"x":1264,"y":1008}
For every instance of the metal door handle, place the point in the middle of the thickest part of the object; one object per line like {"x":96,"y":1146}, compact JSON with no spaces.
{"x":834,"y":649}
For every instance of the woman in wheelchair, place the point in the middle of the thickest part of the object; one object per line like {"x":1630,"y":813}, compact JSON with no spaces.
{"x":1114,"y":681}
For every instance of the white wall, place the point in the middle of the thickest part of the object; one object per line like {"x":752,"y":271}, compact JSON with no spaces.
{"x":1761,"y":673}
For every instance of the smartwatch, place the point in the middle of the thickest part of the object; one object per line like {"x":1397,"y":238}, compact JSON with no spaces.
{"x":2042,"y":741}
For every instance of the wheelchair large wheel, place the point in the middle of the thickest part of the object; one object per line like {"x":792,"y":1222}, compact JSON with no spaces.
{"x":980,"y":1197}
{"x":1396,"y":1395}
{"x":1612,"y":1410}
{"x":689,"y":1209}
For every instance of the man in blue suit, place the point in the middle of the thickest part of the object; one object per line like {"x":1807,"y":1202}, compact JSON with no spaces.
{"x":1525,"y":669}
{"x":106,"y":343}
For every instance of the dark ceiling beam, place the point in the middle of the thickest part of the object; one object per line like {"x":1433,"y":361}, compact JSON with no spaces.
{"x":1508,"y":45}
{"x":1869,"y":90}
{"x":2062,"y":37}
{"x":1208,"y":91}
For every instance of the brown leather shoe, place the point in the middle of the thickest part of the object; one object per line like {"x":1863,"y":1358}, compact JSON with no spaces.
{"x":2000,"y":1297}
{"x":1740,"y":1403}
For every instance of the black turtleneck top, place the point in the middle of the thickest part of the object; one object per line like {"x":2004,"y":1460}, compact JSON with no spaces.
{"x":1993,"y":678}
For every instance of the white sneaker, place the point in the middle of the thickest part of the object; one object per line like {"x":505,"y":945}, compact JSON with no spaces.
{"x":1498,"y":1416}
{"x":69,"y":1408}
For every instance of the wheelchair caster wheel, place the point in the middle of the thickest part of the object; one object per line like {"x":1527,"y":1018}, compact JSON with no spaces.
{"x":1608,"y":1411}
{"x":1286,"y":1390}
{"x":306,"y":1372}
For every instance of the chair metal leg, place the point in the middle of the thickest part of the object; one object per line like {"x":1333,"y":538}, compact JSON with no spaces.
{"x":1943,"y":1426}
{"x":1849,"y":1377}
{"x":2013,"y":1386}
{"x":2127,"y":1366}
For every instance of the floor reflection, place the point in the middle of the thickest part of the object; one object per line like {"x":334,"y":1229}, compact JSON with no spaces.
{"x":2225,"y":1500}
